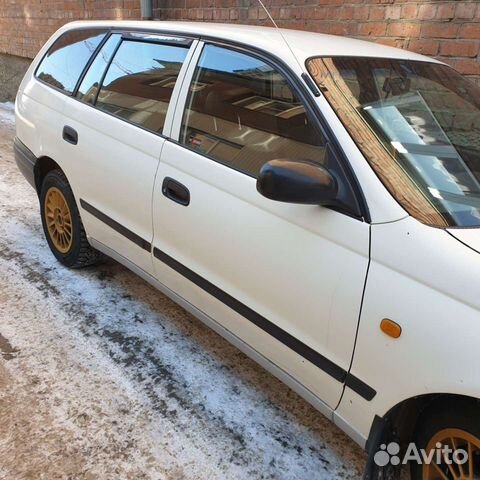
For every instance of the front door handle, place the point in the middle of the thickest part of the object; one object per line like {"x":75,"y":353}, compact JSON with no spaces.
{"x":70,"y":135}
{"x":176,"y":191}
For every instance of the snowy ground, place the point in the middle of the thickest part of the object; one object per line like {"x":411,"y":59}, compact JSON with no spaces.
{"x":102,"y":377}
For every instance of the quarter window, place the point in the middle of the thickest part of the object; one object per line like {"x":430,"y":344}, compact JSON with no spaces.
{"x":140,"y":81}
{"x":67,"y":57}
{"x":243,"y":113}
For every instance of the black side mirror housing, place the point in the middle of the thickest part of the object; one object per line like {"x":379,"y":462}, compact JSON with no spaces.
{"x":297,"y":181}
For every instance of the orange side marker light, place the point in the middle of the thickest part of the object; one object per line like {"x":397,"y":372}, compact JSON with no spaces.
{"x":390,"y":328}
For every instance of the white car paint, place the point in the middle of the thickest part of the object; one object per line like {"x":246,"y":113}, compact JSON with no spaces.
{"x":302,"y":267}
{"x":428,"y":282}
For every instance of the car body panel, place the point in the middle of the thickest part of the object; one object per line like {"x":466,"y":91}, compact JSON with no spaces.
{"x":122,"y":160}
{"x":411,"y":261}
{"x":248,"y":245}
{"x":36,"y":103}
{"x":468,"y":236}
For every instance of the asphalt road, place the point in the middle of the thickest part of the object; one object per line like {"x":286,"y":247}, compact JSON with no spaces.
{"x":103,"y":377}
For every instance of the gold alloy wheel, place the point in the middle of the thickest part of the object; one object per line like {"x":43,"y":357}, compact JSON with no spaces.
{"x":59,"y":219}
{"x":455,"y":439}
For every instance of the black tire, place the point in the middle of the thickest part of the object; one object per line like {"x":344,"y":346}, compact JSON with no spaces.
{"x":462,"y":414}
{"x":80,"y":253}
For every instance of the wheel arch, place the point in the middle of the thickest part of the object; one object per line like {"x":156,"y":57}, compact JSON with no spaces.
{"x":401,"y":420}
{"x":399,"y":424}
{"x":43,"y":165}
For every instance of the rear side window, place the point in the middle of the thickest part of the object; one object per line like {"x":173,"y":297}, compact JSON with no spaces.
{"x":139,"y":82}
{"x":67,"y":57}
{"x":243,"y":113}
{"x":87,"y":92}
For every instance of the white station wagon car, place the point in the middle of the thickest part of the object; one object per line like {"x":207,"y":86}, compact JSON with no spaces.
{"x":313,"y":199}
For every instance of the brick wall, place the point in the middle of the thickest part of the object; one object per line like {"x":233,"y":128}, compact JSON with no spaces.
{"x":26,"y":25}
{"x":449,"y":30}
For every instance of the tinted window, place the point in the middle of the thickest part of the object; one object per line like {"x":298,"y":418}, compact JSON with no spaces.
{"x":67,"y":58}
{"x":243,"y":113}
{"x":87,"y":91}
{"x":140,"y":82}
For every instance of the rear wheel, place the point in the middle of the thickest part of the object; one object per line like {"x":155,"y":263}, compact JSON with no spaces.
{"x":456,"y":426}
{"x":62,"y":223}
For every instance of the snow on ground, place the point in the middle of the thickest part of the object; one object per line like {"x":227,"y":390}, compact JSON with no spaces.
{"x":7,"y":113}
{"x":103,"y":377}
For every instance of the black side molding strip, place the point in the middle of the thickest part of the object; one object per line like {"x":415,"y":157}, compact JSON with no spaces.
{"x":332,"y":369}
{"x":364,"y":390}
{"x":116,"y":226}
{"x":296,"y":345}
{"x":305,"y":351}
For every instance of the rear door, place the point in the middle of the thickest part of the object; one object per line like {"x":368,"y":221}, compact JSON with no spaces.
{"x":117,"y":120}
{"x":286,"y":279}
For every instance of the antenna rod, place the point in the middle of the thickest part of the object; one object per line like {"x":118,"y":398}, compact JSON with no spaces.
{"x":268,"y":13}
{"x":280,"y":32}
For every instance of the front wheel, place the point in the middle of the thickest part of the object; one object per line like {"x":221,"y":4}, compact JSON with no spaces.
{"x":62,"y":224}
{"x":450,"y":434}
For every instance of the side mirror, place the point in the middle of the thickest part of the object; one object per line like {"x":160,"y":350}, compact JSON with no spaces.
{"x":297,"y":181}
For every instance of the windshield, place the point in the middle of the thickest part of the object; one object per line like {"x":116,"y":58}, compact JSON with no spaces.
{"x":418,"y":125}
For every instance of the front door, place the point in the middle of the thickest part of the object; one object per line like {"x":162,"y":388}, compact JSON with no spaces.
{"x":286,"y":279}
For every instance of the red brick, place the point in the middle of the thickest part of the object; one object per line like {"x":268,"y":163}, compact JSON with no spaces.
{"x":458,"y":48}
{"x":439,"y":30}
{"x":284,"y":13}
{"x":468,"y":67}
{"x":393,"y":12}
{"x":427,"y":12}
{"x":337,"y":13}
{"x":409,"y":12}
{"x":345,"y":29}
{"x":345,"y":13}
{"x":262,"y":14}
{"x":377,"y":13}
{"x":326,"y":2}
{"x":470,"y":30}
{"x":360,"y":12}
{"x":445,"y":11}
{"x":275,"y":12}
{"x":465,"y":10}
{"x":372,"y":29}
{"x":393,"y":42}
{"x":253,"y":13}
{"x":208,"y":15}
{"x":405,"y":29}
{"x":295,"y":12}
{"x":425,"y":47}
{"x":318,"y":13}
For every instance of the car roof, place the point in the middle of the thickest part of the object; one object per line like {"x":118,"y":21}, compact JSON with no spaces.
{"x":302,"y":44}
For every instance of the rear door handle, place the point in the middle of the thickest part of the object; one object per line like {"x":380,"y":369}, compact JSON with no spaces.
{"x":176,"y":191}
{"x":70,"y":135}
